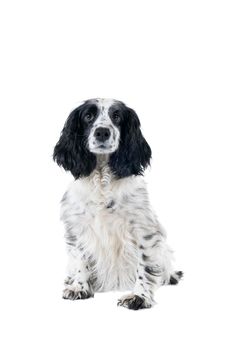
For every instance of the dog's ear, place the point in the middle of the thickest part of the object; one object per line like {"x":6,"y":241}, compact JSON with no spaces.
{"x":71,"y":152}
{"x":133,"y":154}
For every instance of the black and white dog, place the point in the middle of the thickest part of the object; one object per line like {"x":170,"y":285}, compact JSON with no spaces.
{"x":113,"y":237}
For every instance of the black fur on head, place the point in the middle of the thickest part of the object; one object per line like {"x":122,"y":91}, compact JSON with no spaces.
{"x":71,"y":151}
{"x":133,"y":154}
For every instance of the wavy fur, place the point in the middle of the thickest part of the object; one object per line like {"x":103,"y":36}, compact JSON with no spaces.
{"x":114,"y":240}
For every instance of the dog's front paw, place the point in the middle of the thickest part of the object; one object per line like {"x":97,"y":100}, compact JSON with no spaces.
{"x":135,"y":302}
{"x":76,"y":294}
{"x":77,"y":291}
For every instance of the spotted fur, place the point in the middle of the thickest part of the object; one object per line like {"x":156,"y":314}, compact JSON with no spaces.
{"x":114,"y":240}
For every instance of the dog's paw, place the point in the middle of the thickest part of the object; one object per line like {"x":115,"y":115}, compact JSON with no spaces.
{"x":176,"y":277}
{"x":76,"y":294}
{"x":135,"y":302}
{"x":77,"y":291}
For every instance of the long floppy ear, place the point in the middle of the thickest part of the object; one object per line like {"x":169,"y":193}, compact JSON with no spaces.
{"x":71,"y":152}
{"x":133,"y":154}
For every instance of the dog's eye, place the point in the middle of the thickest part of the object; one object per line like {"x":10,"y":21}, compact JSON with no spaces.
{"x":116,"y":116}
{"x":89,"y":117}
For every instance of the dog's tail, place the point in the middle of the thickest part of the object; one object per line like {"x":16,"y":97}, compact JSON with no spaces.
{"x":176,"y":277}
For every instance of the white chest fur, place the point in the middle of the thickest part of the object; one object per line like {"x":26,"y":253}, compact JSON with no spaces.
{"x":99,"y":214}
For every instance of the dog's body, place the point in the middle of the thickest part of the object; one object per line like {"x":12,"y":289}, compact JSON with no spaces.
{"x":113,"y":237}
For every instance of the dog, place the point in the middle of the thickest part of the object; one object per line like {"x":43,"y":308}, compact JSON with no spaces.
{"x":113,"y":238}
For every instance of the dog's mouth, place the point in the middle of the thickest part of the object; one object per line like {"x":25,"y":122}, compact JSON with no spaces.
{"x":102,"y":148}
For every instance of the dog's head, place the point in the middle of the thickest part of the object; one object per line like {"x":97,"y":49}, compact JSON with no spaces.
{"x":102,"y":126}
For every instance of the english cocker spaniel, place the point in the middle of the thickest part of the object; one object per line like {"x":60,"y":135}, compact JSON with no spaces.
{"x":113,"y":237}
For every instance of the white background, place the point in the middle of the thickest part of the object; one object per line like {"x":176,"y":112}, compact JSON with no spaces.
{"x":172,"y":62}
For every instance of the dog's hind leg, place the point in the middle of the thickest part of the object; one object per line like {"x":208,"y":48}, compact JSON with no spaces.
{"x":176,"y":277}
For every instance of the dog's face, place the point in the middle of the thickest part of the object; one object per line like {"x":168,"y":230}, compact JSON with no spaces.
{"x":101,"y":118}
{"x":102,"y":126}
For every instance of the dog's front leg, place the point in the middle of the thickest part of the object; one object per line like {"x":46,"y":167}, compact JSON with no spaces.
{"x":142,"y":295}
{"x":77,"y":283}
{"x":152,"y":256}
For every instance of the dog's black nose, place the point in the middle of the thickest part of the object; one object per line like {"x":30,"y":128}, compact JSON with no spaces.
{"x":102,"y":134}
